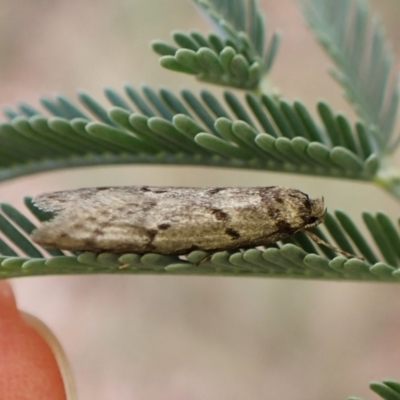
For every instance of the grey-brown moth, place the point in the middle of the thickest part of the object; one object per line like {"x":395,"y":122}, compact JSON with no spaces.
{"x":173,"y":220}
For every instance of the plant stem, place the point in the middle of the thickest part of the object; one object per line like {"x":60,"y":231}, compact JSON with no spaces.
{"x":388,"y":178}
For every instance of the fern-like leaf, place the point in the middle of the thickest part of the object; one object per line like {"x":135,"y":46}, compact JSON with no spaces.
{"x":364,"y":63}
{"x":236,"y":57}
{"x":260,"y":133}
{"x":295,"y":257}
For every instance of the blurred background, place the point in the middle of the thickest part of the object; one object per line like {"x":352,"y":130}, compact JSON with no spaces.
{"x":141,"y":337}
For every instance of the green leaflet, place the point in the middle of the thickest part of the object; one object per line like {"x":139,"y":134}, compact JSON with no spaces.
{"x":161,"y":127}
{"x":356,"y":42}
{"x":235,"y":56}
{"x":295,"y":257}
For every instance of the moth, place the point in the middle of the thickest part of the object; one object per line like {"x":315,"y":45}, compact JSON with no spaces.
{"x":173,"y":220}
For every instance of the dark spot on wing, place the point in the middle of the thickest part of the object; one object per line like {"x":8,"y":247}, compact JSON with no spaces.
{"x":232,"y":233}
{"x":277,"y":197}
{"x":267,"y":193}
{"x":219,"y":214}
{"x":149,"y":248}
{"x":151,"y":233}
{"x":89,"y":243}
{"x":285,"y":227}
{"x":164,"y":226}
{"x":214,"y":190}
{"x":54,"y":195}
{"x":302,"y":201}
{"x":307,"y":202}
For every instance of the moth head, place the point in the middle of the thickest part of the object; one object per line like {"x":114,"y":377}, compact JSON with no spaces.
{"x":317,"y":213}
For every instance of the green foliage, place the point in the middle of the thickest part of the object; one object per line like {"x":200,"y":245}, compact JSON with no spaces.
{"x":295,"y":257}
{"x":364,"y":63}
{"x":261,"y":133}
{"x":257,"y":131}
{"x":387,"y":390}
{"x":236,"y":56}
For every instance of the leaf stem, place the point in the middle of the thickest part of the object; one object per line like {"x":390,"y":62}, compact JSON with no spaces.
{"x":388,"y":177}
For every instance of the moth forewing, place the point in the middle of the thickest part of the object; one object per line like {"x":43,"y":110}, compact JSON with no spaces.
{"x":173,"y":220}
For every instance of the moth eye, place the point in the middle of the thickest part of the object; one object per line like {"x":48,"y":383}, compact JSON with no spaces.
{"x":311,"y":220}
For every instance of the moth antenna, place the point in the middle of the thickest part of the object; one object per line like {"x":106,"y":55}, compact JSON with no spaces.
{"x":318,"y":240}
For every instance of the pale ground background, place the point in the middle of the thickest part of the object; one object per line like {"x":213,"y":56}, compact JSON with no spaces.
{"x":136,"y":337}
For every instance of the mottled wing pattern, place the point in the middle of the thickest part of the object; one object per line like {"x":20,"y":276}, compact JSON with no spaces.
{"x":173,"y":220}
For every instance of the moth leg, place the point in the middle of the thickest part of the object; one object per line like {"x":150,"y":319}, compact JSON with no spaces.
{"x":318,"y":240}
{"x":204,"y":260}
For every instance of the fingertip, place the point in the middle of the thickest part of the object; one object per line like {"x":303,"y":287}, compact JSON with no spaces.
{"x":57,"y":351}
{"x":30,"y":365}
{"x":8,"y":306}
